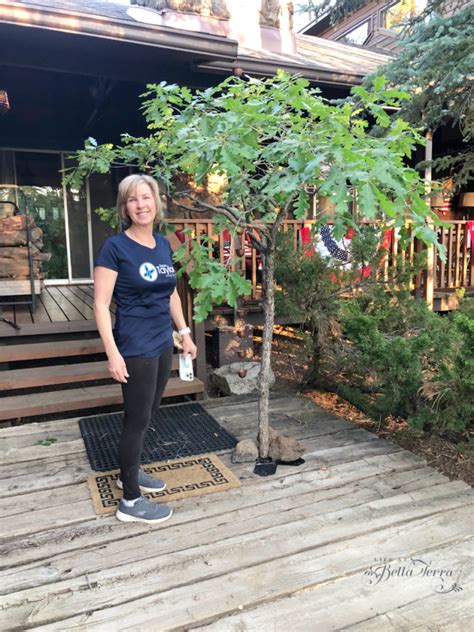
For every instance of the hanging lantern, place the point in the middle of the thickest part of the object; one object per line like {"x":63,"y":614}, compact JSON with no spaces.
{"x":4,"y":103}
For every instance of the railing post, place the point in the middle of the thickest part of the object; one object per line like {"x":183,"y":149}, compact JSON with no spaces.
{"x":430,"y":262}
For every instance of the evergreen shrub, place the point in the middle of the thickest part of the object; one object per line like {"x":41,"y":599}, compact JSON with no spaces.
{"x":377,"y":345}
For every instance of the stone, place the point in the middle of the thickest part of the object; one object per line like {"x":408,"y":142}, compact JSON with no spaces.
{"x":244,"y":452}
{"x":228,"y":381}
{"x":282,"y":448}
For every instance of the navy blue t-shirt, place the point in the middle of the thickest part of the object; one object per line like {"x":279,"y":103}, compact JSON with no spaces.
{"x":146,"y":279}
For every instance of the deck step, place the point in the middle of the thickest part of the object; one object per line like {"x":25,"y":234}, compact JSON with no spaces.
{"x":42,"y":350}
{"x":58,"y":374}
{"x":20,"y":406}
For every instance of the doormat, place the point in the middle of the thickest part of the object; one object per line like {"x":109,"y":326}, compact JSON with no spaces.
{"x":204,"y":474}
{"x":174,"y":432}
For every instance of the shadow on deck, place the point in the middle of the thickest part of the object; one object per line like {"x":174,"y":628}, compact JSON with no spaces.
{"x":278,"y":553}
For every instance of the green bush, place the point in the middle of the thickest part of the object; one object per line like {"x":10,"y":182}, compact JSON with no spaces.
{"x":419,"y":364}
{"x":305,"y":293}
{"x":380,"y":347}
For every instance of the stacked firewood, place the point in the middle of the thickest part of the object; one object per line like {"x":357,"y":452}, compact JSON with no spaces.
{"x":14,"y":263}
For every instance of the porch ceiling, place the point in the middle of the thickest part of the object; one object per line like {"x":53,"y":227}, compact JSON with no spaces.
{"x":72,"y":53}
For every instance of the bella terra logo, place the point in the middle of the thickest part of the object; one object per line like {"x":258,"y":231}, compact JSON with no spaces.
{"x":443,"y":580}
{"x":150,"y":272}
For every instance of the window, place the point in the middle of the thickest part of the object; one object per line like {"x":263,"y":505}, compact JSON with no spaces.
{"x":357,"y":35}
{"x":394,"y":16}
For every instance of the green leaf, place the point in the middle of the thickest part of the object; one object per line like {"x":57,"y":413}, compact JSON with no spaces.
{"x":47,"y":441}
{"x":367,"y":201}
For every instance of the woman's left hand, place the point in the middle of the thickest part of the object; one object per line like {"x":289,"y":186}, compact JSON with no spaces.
{"x":189,"y":348}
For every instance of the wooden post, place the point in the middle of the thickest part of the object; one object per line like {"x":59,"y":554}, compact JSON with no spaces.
{"x":430,"y":260}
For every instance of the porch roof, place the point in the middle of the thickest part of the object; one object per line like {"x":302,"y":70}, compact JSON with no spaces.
{"x":321,"y":61}
{"x":110,"y":20}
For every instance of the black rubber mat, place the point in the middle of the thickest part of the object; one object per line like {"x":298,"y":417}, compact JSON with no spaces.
{"x":175,"y":431}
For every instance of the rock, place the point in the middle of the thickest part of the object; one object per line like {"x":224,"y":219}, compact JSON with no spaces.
{"x":229,"y":382}
{"x":282,"y":448}
{"x":245,"y":451}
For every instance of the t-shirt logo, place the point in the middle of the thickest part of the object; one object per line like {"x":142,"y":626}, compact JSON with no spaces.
{"x":148,"y":272}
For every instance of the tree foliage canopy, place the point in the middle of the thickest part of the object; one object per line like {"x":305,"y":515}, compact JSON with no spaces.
{"x":268,"y":140}
{"x":434,"y":65}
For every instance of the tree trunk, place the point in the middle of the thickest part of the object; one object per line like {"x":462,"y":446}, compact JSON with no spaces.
{"x":264,"y":378}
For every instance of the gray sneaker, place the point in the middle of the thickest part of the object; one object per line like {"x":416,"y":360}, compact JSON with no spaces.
{"x":147,"y":483}
{"x":143,"y":511}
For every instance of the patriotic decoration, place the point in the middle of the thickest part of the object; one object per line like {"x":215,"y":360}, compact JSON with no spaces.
{"x":330,"y":248}
{"x":338,"y":251}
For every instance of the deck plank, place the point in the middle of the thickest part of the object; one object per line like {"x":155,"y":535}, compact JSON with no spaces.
{"x":41,"y":314}
{"x":41,"y":350}
{"x":81,"y":306}
{"x":23,"y":314}
{"x":251,"y":556}
{"x":70,"y":310}
{"x":87,"y":288}
{"x":393,"y":599}
{"x":82,"y":296}
{"x":268,"y":514}
{"x":38,"y":546}
{"x":455,"y":617}
{"x":59,"y":374}
{"x":56,"y":374}
{"x":291,"y":560}
{"x":55,"y":313}
{"x":86,"y":293}
{"x":43,"y":518}
{"x":82,"y":398}
{"x":48,"y":328}
{"x":7,"y":311}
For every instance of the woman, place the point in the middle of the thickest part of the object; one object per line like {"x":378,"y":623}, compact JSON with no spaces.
{"x":135,"y":267}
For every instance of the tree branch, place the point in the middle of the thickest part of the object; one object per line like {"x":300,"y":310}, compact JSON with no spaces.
{"x":282,"y":216}
{"x":199,"y":206}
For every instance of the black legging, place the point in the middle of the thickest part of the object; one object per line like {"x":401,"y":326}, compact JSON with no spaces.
{"x":141,"y":395}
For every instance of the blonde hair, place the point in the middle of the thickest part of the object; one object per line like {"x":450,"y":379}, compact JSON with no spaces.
{"x":128,"y":187}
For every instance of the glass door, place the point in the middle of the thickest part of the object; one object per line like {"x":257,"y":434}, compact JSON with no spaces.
{"x":38,"y":175}
{"x":72,"y":231}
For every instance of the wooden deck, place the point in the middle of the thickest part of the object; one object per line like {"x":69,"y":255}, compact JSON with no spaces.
{"x":288,"y":552}
{"x":57,"y":307}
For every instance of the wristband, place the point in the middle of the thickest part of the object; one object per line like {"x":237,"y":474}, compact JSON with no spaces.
{"x":185,"y":330}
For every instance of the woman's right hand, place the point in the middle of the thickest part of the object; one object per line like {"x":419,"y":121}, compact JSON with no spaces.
{"x":118,"y":368}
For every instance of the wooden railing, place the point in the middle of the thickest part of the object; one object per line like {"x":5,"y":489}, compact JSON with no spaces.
{"x":456,"y":272}
{"x":458,"y":269}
